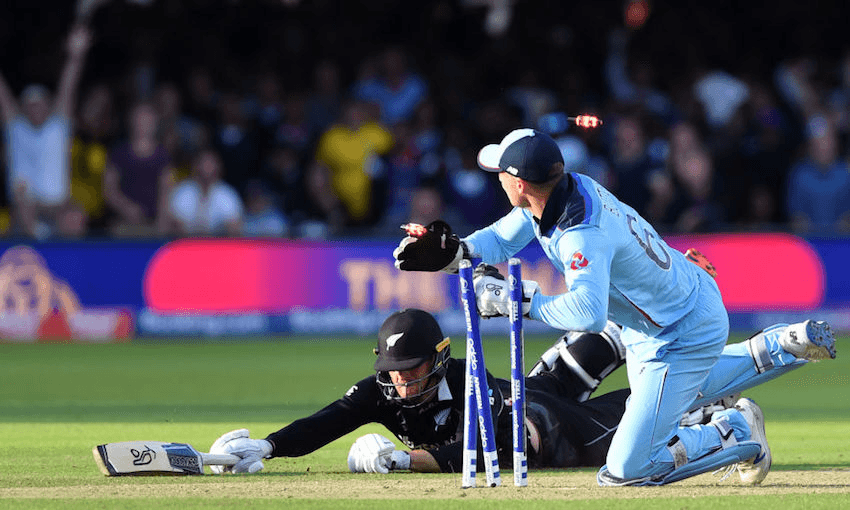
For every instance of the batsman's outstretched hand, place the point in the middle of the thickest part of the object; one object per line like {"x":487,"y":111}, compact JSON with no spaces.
{"x":492,"y":293}
{"x":373,"y":453}
{"x":251,"y":451}
{"x":429,"y":248}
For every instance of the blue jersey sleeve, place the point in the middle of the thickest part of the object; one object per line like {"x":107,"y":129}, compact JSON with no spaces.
{"x":503,"y":239}
{"x":585,"y":255}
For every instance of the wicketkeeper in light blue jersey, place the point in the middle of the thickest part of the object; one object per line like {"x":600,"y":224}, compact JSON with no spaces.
{"x":618,"y":268}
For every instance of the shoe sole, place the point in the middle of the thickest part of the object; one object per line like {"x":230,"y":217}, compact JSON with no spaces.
{"x":821,"y":344}
{"x":756,"y":474}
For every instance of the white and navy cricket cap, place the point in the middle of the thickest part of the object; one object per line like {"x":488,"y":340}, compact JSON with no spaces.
{"x":525,"y":153}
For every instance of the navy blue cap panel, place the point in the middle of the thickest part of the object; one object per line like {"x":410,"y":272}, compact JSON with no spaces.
{"x":531,"y":157}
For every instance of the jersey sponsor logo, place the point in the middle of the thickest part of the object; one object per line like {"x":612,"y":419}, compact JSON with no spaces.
{"x":392,"y":339}
{"x":578,"y":261}
{"x":351,"y":391}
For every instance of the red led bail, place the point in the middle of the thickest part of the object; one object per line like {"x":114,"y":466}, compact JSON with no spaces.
{"x":588,"y":121}
{"x":414,"y":229}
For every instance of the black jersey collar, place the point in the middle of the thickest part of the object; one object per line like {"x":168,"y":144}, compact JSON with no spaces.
{"x":556,"y":206}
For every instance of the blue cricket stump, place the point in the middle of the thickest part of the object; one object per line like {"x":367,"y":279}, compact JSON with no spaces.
{"x":470,"y":426}
{"x":477,"y":392}
{"x":517,"y":374}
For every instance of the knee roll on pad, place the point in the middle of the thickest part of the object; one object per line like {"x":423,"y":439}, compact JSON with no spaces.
{"x":594,"y":353}
{"x":590,"y":357}
{"x":612,"y":334}
{"x":547,"y":360}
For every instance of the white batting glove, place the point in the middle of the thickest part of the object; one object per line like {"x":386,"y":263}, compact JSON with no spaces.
{"x":492,"y":292}
{"x":251,"y":451}
{"x":374,"y":453}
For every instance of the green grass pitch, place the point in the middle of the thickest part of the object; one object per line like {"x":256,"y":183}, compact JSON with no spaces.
{"x":58,"y":401}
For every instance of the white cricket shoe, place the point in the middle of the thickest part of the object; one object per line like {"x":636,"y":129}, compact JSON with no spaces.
{"x":753,"y":471}
{"x":811,"y":340}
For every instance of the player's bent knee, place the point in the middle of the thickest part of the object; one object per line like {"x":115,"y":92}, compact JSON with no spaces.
{"x":637,"y":462}
{"x":627,"y":467}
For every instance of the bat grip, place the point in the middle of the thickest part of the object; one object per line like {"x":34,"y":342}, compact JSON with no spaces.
{"x":219,"y":459}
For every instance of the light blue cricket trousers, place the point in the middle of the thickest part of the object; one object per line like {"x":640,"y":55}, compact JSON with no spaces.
{"x":665,"y":374}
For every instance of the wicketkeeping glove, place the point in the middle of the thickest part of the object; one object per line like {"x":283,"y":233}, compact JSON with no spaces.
{"x":373,"y":453}
{"x":251,"y":451}
{"x":430,"y":248}
{"x":492,"y":292}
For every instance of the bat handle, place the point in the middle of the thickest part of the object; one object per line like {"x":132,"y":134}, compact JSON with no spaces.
{"x":219,"y":459}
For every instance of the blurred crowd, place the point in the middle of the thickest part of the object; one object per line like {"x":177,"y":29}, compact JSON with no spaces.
{"x":327,"y":119}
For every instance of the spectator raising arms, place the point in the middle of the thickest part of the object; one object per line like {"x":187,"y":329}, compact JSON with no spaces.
{"x":38,"y":137}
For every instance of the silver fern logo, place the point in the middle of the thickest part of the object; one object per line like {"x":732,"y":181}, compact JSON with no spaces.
{"x":392,"y":339}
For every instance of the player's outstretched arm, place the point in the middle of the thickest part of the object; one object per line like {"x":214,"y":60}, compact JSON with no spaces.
{"x":79,"y":41}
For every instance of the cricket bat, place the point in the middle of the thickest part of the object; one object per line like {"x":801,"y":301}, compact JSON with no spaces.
{"x":153,"y":458}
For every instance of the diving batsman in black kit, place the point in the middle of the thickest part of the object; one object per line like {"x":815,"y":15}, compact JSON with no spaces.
{"x":417,"y":393}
